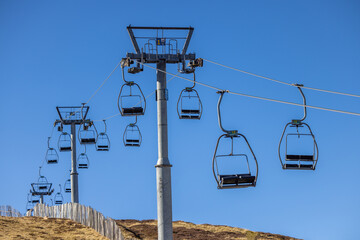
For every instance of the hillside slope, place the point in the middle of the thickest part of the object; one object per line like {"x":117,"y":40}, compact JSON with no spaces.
{"x":45,"y":228}
{"x":147,"y":230}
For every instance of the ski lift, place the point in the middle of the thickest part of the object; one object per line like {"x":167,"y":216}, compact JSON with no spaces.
{"x":51,"y":156}
{"x":103,"y":141}
{"x":64,"y":142}
{"x":132,"y":135}
{"x":42,"y":185}
{"x":189,"y":105}
{"x":301,"y":150}
{"x":67,"y":186}
{"x":83,"y":160}
{"x":35,"y":199}
{"x":131,"y":100}
{"x":234,"y":179}
{"x":29,"y":203}
{"x":86,"y":135}
{"x":58,"y":198}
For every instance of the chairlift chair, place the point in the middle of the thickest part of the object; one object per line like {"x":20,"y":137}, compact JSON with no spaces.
{"x":132,"y":135}
{"x":67,"y":186}
{"x":58,"y":198}
{"x":29,"y":203}
{"x":103,"y":141}
{"x":51,"y":156}
{"x":64,"y":142}
{"x":35,"y":199}
{"x":131,"y":100}
{"x":83,"y":161}
{"x":42,"y":185}
{"x":241,"y":179}
{"x":294,"y":159}
{"x":189,"y":105}
{"x":87,"y":135}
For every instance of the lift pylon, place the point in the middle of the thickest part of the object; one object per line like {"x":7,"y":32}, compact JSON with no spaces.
{"x":160,"y":46}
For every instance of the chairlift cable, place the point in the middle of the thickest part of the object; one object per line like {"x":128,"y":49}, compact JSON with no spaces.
{"x":281,"y":82}
{"x":152,"y":93}
{"x":97,"y":90}
{"x":257,"y":97}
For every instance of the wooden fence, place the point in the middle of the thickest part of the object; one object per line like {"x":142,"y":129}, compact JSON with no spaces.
{"x":81,"y":214}
{"x":8,"y":211}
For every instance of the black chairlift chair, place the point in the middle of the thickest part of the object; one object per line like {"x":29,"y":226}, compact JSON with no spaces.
{"x":42,"y":185}
{"x":86,"y":134}
{"x":83,"y":160}
{"x":35,"y":199}
{"x":189,"y":105}
{"x":64,"y":142}
{"x":29,"y":203}
{"x":103,"y":141}
{"x":58,"y":198}
{"x":296,"y":160}
{"x":132,"y":135}
{"x":67,"y":186}
{"x":131,"y":100}
{"x":238,"y":179}
{"x":51,"y":156}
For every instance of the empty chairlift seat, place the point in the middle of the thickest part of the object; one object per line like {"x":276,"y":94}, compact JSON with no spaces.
{"x":233,"y":169}
{"x":298,"y":150}
{"x":189,"y":105}
{"x":64,"y":143}
{"x":87,"y":135}
{"x":132,"y":136}
{"x":103,"y":141}
{"x":296,"y":143}
{"x":131,"y":101}
{"x":67,"y":186}
{"x":52,"y":156}
{"x":83,"y":161}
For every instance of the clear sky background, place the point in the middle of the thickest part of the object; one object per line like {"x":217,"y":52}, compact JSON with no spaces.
{"x":59,"y":52}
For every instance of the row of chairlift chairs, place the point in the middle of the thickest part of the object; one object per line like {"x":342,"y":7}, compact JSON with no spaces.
{"x":87,"y":134}
{"x":303,"y":155}
{"x":132,"y":102}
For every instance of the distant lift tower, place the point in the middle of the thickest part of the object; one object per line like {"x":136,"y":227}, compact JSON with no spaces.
{"x":41,"y":188}
{"x":160,"y":46}
{"x":73,"y":116}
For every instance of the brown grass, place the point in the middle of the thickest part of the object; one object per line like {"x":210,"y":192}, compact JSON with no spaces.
{"x":45,"y":228}
{"x":147,"y":230}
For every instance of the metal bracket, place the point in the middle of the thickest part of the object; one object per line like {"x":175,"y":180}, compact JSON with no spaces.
{"x":163,"y":94}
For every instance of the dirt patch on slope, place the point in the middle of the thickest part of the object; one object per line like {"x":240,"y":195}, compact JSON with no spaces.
{"x":147,"y":230}
{"x":45,"y":228}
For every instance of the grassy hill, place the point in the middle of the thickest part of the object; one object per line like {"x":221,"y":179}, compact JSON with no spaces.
{"x":147,"y":230}
{"x":56,"y":229}
{"x":45,"y":228}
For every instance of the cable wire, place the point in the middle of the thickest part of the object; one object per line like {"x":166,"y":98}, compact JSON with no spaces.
{"x":152,"y":93}
{"x":257,"y":97}
{"x":281,"y":82}
{"x":97,"y":90}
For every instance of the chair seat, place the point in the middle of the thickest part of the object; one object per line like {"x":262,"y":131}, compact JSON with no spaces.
{"x":87,"y":140}
{"x":236,"y":179}
{"x":190,"y":111}
{"x":52,"y":161}
{"x":64,"y":149}
{"x":132,"y":140}
{"x":291,"y":157}
{"x":133,"y":111}
{"x":299,"y":166}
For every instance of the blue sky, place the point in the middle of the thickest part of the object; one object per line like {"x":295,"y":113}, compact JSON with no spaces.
{"x":59,"y":52}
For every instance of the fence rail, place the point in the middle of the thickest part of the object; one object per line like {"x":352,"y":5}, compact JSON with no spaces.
{"x":81,"y":214}
{"x":8,"y":211}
